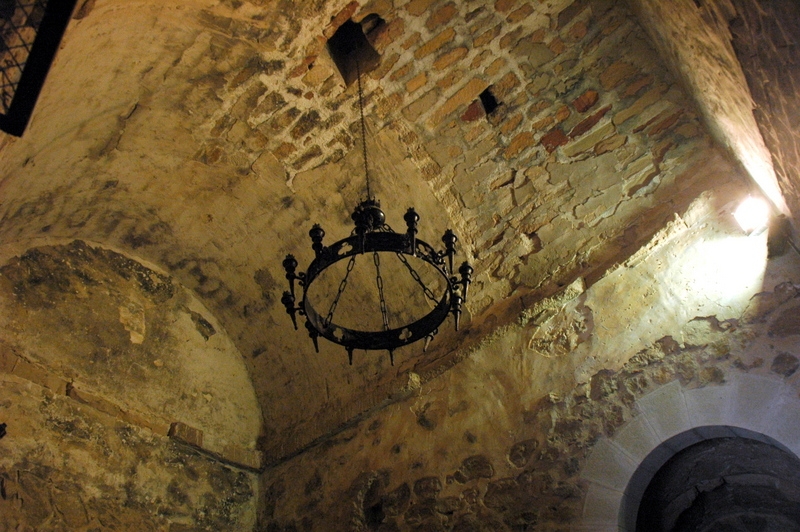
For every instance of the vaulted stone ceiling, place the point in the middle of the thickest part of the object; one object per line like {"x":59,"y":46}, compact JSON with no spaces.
{"x":203,"y":139}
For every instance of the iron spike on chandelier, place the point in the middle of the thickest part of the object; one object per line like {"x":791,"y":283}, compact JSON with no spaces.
{"x":372,"y":235}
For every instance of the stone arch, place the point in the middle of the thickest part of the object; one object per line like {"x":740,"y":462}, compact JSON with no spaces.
{"x":122,"y":336}
{"x":670,"y":419}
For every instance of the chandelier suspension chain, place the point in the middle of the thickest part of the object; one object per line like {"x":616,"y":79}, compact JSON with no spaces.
{"x":428,"y":292}
{"x":417,"y":278}
{"x":363,"y":127}
{"x":342,"y":286}
{"x":379,"y":280}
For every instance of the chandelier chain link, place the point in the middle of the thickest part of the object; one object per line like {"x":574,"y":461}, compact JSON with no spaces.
{"x":417,"y":278}
{"x":363,"y":128}
{"x":379,"y":280}
{"x":342,"y":286}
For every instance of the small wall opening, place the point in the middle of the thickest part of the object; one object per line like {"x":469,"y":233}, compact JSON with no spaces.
{"x":488,"y":101}
{"x":351,"y":50}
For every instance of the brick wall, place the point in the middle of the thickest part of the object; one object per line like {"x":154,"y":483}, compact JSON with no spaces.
{"x":766,"y":37}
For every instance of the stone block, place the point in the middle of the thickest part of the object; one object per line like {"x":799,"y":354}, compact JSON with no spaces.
{"x":787,"y":431}
{"x":7,"y":360}
{"x":708,"y":406}
{"x":249,"y":458}
{"x":755,"y":401}
{"x":588,"y":142}
{"x":415,"y":109}
{"x":601,"y":508}
{"x":648,"y":98}
{"x":637,"y":438}
{"x":93,"y":401}
{"x":40,"y":376}
{"x":185,"y":434}
{"x":609,"y":466}
{"x":666,"y":411}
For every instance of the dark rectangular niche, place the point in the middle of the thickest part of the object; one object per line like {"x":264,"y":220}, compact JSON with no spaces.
{"x":351,"y":51}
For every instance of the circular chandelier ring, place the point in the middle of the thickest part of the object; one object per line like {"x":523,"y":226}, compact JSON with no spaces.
{"x":388,"y":242}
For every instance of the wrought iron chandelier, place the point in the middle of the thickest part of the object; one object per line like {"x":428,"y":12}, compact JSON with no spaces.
{"x":372,"y":235}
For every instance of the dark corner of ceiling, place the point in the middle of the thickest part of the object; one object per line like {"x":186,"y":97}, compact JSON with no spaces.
{"x":351,"y":48}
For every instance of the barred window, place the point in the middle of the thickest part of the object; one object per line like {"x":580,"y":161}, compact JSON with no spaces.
{"x":30,"y":32}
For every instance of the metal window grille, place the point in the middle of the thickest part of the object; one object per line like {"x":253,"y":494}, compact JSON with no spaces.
{"x":30,"y":32}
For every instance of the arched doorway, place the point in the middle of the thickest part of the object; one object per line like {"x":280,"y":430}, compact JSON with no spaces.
{"x":736,"y":481}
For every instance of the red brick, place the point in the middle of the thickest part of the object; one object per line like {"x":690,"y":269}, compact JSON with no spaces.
{"x":543,"y":123}
{"x":520,"y":14}
{"x":577,"y":31}
{"x":434,"y":44}
{"x":665,"y":124}
{"x":518,"y":143}
{"x":660,"y":150}
{"x":416,"y":82}
{"x":450,"y":79}
{"x":506,"y":84}
{"x":557,"y":46}
{"x":504,"y":5}
{"x":441,"y":16}
{"x":284,"y":150}
{"x":418,"y":7}
{"x":588,"y":123}
{"x":411,"y":41}
{"x":486,"y":37}
{"x":585,"y":101}
{"x":449,"y":58}
{"x":387,"y":34}
{"x":511,"y":124}
{"x":386,"y":65}
{"x":638,"y":85}
{"x":511,"y":38}
{"x":553,"y":140}
{"x":617,"y":73}
{"x":465,"y":95}
{"x":494,"y":69}
{"x":401,"y":72}
{"x":537,"y":37}
{"x":473,"y":112}
{"x":343,"y":16}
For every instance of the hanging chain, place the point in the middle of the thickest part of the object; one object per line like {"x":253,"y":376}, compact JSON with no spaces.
{"x":363,"y":128}
{"x":342,"y":286}
{"x":417,"y":278}
{"x":379,"y":280}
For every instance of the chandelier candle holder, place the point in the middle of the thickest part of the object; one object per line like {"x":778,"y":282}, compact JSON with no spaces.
{"x":372,"y":236}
